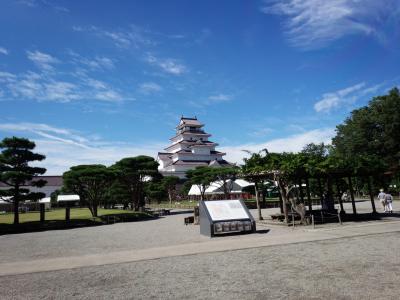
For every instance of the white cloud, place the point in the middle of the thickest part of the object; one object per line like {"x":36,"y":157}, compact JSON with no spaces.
{"x":99,"y":63}
{"x":45,"y":3}
{"x":220,"y":98}
{"x":148,"y":88}
{"x":29,"y":3}
{"x":294,"y":143}
{"x":44,"y":130}
{"x":61,"y":91}
{"x":7,"y":77}
{"x":168,"y":65}
{"x":109,"y":95}
{"x":346,"y":96}
{"x":3,"y":51}
{"x":42,"y":60}
{"x":261,"y":132}
{"x":48,"y":86}
{"x":134,"y":36}
{"x":64,"y":148}
{"x":315,"y":23}
{"x":96,"y":63}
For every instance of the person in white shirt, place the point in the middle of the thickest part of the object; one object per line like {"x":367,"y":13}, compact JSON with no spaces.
{"x":388,"y":200}
{"x":382,"y":199}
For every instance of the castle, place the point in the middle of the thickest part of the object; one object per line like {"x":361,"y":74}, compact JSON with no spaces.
{"x":189,"y":149}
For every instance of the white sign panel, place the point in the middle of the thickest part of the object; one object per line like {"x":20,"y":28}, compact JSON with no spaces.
{"x":226,"y":210}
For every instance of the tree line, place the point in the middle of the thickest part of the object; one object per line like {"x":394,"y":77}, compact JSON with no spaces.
{"x":366,"y":143}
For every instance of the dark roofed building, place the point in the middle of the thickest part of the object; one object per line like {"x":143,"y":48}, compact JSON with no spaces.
{"x":53,"y":183}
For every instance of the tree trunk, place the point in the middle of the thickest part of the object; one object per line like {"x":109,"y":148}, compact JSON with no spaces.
{"x":353,"y":203}
{"x":226,"y":193}
{"x":284,"y":200}
{"x":308,"y":195}
{"x":321,"y":192}
{"x":258,"y":203}
{"x":95,"y":210}
{"x":300,"y":209}
{"x":371,"y":195}
{"x":170,"y":196}
{"x":280,"y":202}
{"x":90,"y":206}
{"x":16,"y":212}
{"x":339,"y":191}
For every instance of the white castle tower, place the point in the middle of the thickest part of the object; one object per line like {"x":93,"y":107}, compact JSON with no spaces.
{"x":189,"y":149}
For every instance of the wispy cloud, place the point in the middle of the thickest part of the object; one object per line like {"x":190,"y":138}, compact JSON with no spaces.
{"x":39,"y":87}
{"x":213,"y":99}
{"x":96,"y":63}
{"x":313,"y":24}
{"x":7,"y":77}
{"x":292,"y":143}
{"x":55,"y":81}
{"x":148,"y":88}
{"x":61,"y":146}
{"x":42,"y":60}
{"x":134,"y":36}
{"x":203,"y":36}
{"x":168,"y":65}
{"x":3,"y":51}
{"x":43,"y":3}
{"x":220,"y":98}
{"x":346,"y":96}
{"x":53,"y":133}
{"x":262,"y":132}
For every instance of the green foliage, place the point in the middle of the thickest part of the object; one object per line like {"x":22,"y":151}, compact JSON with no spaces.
{"x":369,"y":139}
{"x":16,"y":173}
{"x":169,"y":184}
{"x":225,"y":176}
{"x":202,"y":177}
{"x":90,"y":182}
{"x":117,"y":194}
{"x":133,"y":173}
{"x":186,"y":188}
{"x":156,"y":191}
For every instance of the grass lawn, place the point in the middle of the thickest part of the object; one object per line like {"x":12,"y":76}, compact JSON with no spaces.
{"x":59,"y":214}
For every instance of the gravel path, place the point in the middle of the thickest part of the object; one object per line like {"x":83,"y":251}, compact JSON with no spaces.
{"x":348,"y":268}
{"x":164,"y":231}
{"x":160,"y":232}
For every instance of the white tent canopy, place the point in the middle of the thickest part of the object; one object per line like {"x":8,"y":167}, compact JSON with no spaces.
{"x":45,"y":200}
{"x":216,"y":187}
{"x":66,"y":198}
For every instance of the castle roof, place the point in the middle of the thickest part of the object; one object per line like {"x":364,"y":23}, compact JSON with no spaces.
{"x":192,"y":143}
{"x":202,"y":162}
{"x":192,"y":122}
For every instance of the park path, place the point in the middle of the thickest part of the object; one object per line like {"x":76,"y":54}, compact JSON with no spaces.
{"x":220,"y":244}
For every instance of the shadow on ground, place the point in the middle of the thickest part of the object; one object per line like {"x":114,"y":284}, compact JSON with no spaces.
{"x":36,"y":226}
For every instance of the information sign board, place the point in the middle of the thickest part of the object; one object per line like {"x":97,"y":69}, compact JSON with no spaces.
{"x":226,"y":210}
{"x":225,"y":217}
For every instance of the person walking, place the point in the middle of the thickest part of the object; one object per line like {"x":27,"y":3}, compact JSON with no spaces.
{"x":382,"y":199}
{"x":345,"y":197}
{"x":389,"y":200}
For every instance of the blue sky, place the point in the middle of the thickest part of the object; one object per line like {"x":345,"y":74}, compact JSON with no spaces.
{"x":95,"y":81}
